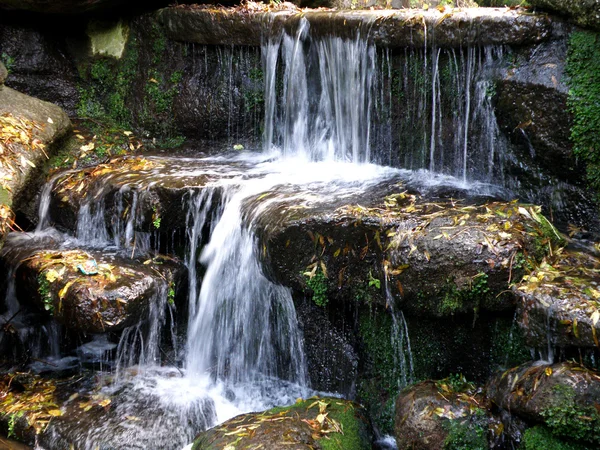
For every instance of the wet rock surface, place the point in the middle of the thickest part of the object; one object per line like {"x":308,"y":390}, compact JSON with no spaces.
{"x":405,"y":28}
{"x":585,"y":13}
{"x":563,"y":396}
{"x":430,"y":257}
{"x":93,"y":292}
{"x":432,"y":414}
{"x":305,"y":424}
{"x":558,"y":302}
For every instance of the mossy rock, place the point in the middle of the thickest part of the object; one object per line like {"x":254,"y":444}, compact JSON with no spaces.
{"x":446,"y":414}
{"x":319,"y":423}
{"x":565,"y":397}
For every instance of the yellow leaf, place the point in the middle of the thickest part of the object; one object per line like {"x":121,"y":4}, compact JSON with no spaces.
{"x":63,"y":291}
{"x":105,"y":402}
{"x":55,"y":412}
{"x":52,"y":275}
{"x":548,"y":371}
{"x":595,"y":317}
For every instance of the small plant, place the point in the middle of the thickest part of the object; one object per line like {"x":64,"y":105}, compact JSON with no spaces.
{"x":540,"y":437}
{"x":171,"y":294}
{"x":12,"y":421}
{"x":374,"y":281}
{"x":156,"y":219}
{"x":9,"y":62}
{"x":45,"y":293}
{"x":318,"y":284}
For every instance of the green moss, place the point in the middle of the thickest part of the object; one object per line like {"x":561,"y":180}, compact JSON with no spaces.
{"x":378,"y":387}
{"x":541,"y":438}
{"x":318,"y":284}
{"x":8,"y":61}
{"x":565,"y":418}
{"x":509,"y":348}
{"x":45,"y":292}
{"x":171,"y":294}
{"x":460,"y":300}
{"x":468,"y":433}
{"x":583,"y":70}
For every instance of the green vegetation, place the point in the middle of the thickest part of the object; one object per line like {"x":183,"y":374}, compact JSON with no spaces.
{"x":468,"y":433}
{"x":171,"y":294}
{"x":45,"y":292}
{"x":459,"y":300}
{"x":318,"y":284}
{"x":583,"y":70}
{"x":541,"y":438}
{"x":565,"y":418}
{"x":8,"y":61}
{"x":379,"y":387}
{"x":12,"y":421}
{"x":156,"y":219}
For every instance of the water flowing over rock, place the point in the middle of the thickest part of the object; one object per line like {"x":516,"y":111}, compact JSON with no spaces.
{"x":388,"y":28}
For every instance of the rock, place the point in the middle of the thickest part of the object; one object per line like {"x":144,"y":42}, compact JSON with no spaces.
{"x":563,"y":396}
{"x":3,"y":74}
{"x":388,"y":28}
{"x":158,"y":187}
{"x":30,"y":128}
{"x":306,"y":424}
{"x":558,"y":302}
{"x":430,"y":257}
{"x":119,"y":295}
{"x":59,"y":7}
{"x":331,"y":360}
{"x":41,"y":62}
{"x":450,"y":413}
{"x":93,"y":411}
{"x":585,"y":13}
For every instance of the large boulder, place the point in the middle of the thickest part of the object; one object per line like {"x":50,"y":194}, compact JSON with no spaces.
{"x":558,"y":302}
{"x":449,"y":413}
{"x":312,"y":423}
{"x":28,"y":129}
{"x":428,"y":256}
{"x":564,"y":396}
{"x":585,"y":13}
{"x":93,"y":292}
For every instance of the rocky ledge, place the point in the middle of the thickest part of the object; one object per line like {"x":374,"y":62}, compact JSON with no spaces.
{"x":446,"y":27}
{"x":93,"y":292}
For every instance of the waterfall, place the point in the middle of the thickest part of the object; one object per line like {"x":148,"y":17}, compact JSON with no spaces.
{"x":328,"y":86}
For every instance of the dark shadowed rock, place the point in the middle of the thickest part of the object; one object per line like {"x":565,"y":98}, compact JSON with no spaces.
{"x":437,"y":414}
{"x":3,"y":74}
{"x":585,"y":13}
{"x":40,"y":64}
{"x":117,"y":296}
{"x":564,"y":396}
{"x":558,"y":302}
{"x":331,"y":360}
{"x":303,"y":425}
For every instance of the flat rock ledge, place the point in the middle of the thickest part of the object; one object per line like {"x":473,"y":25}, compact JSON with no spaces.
{"x":387,"y":28}
{"x":558,"y":302}
{"x":114,"y":294}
